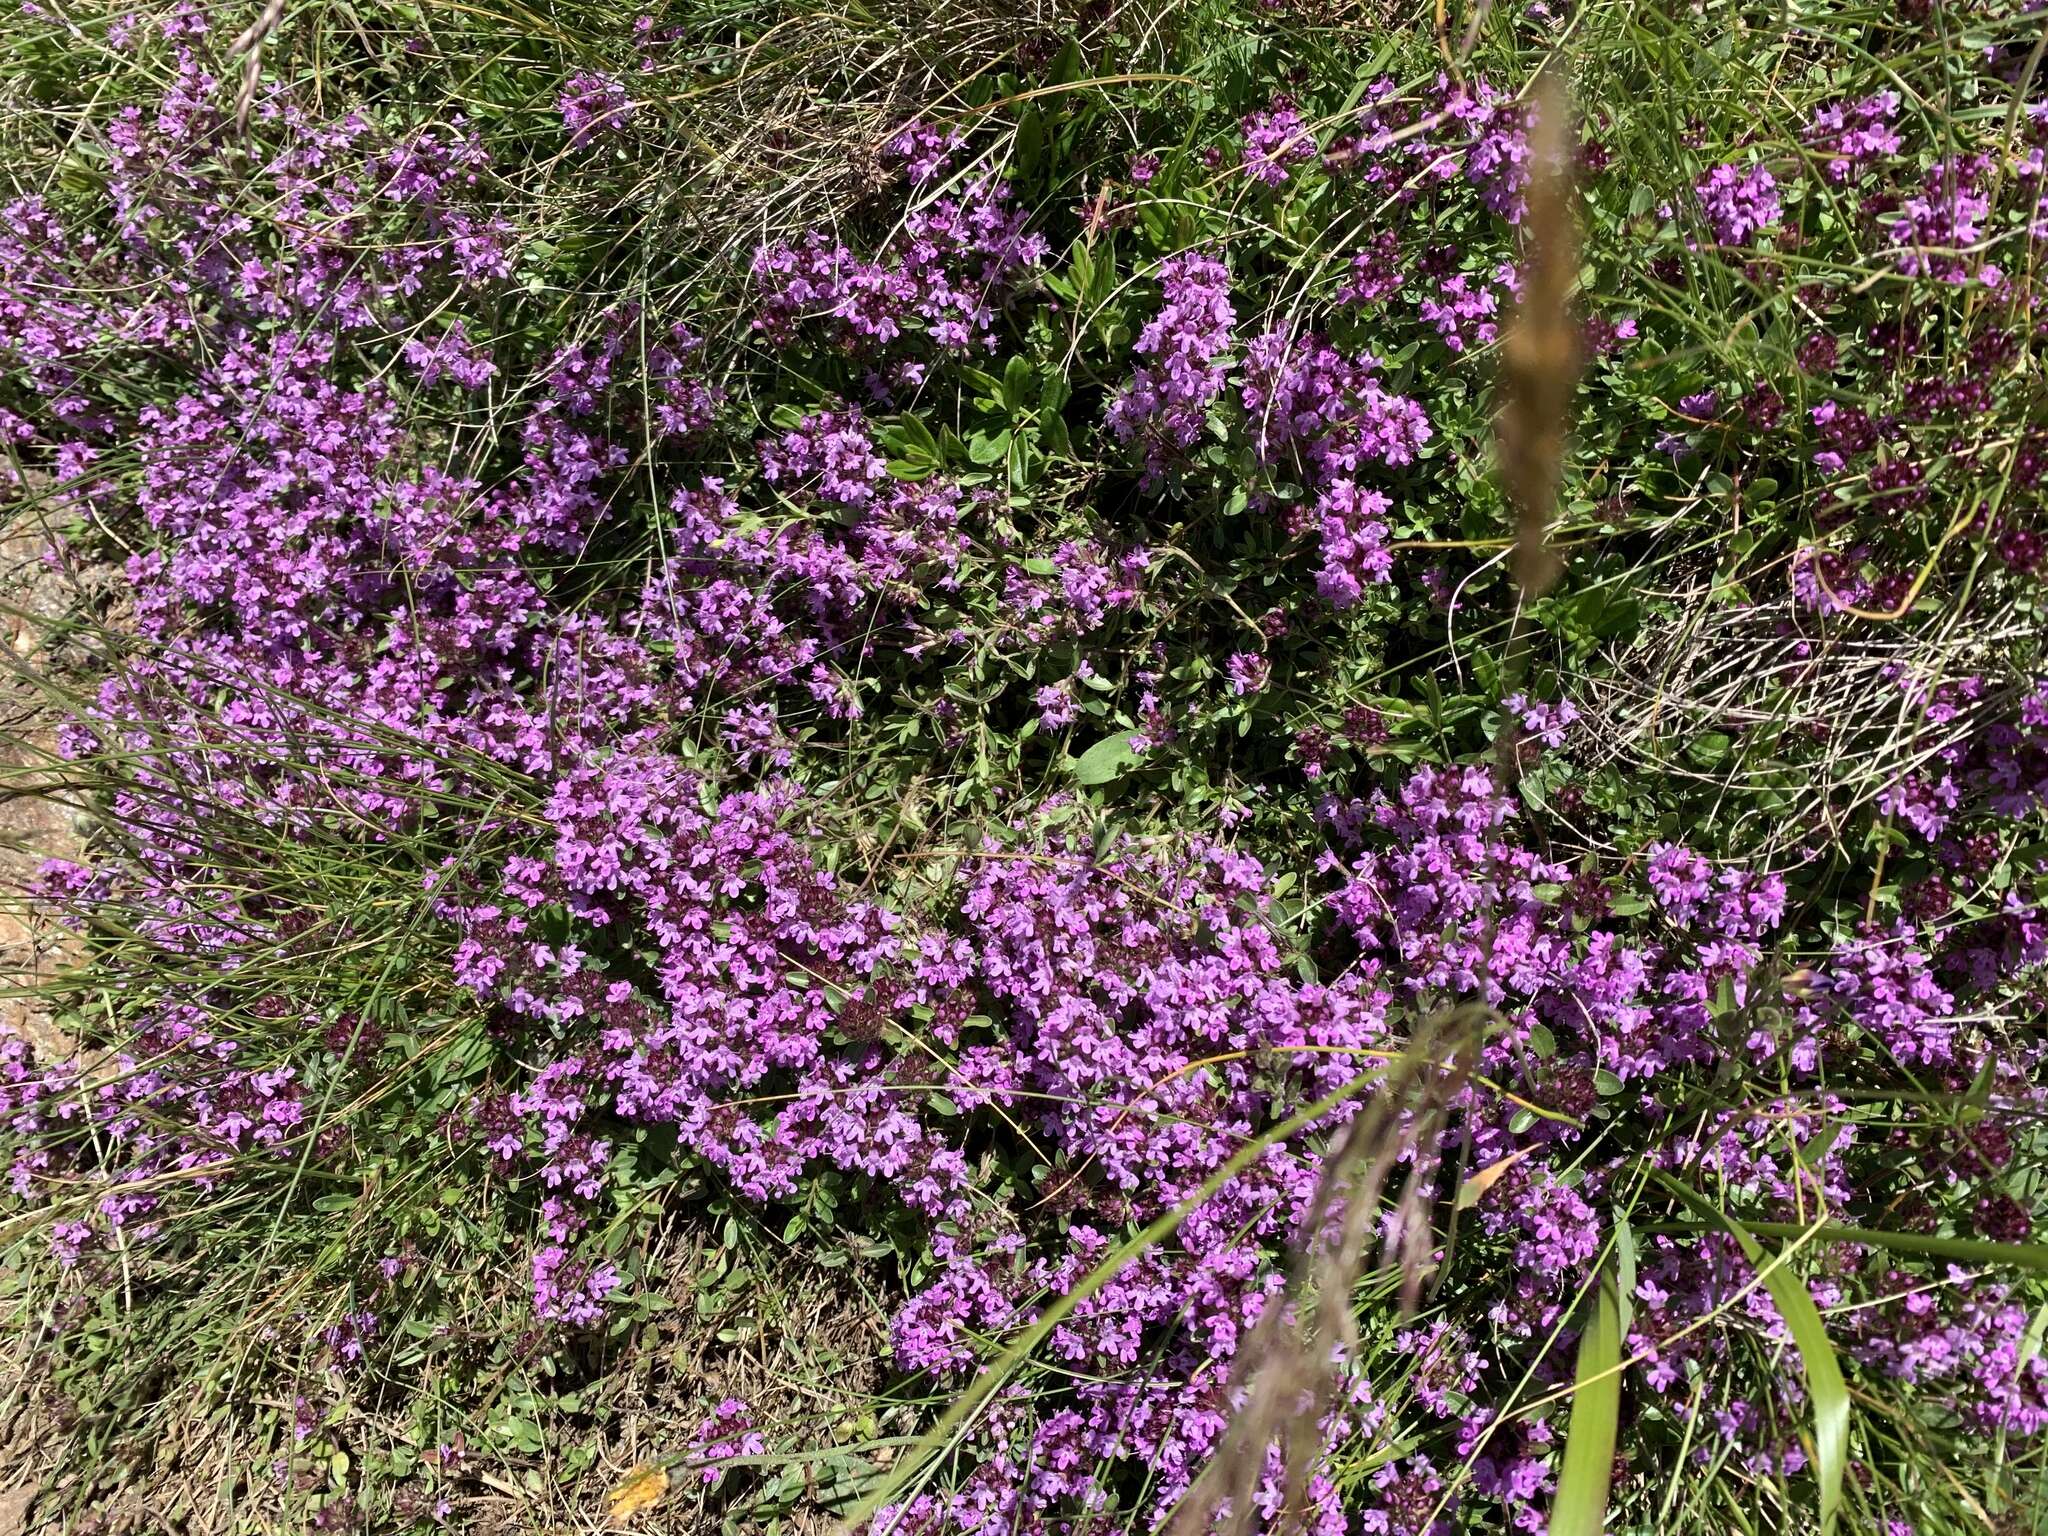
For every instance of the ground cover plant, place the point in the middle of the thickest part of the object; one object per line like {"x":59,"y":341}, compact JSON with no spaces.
{"x":1144,"y":767}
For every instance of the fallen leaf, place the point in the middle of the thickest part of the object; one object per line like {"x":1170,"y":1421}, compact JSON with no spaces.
{"x":641,"y":1489}
{"x":1471,"y":1191}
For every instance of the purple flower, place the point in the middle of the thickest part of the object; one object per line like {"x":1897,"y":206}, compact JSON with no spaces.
{"x":1462,"y":309}
{"x":1375,"y":272}
{"x":1937,"y":228}
{"x":451,"y":353}
{"x":1546,"y":722}
{"x":1164,"y":405}
{"x":1855,"y":135}
{"x":569,"y":1291}
{"x":729,"y":1432}
{"x":1739,"y":203}
{"x":592,"y":104}
{"x":1274,"y":140}
{"x":1248,"y":672}
{"x":1354,"y":543}
{"x":1680,"y":878}
{"x":1057,"y":707}
{"x":922,"y":150}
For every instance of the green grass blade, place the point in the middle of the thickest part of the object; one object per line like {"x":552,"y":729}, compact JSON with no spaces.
{"x":1582,"y":1481}
{"x":1958,"y":1250}
{"x":1824,"y":1384}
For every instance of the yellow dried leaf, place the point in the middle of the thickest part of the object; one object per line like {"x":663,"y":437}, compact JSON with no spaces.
{"x":640,"y":1489}
{"x":1478,"y":1184}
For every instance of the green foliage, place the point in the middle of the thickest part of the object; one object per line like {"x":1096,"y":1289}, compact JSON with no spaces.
{"x":1665,"y":553}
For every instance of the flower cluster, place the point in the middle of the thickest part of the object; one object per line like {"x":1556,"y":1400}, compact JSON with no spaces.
{"x":1738,"y":203}
{"x":593,"y":104}
{"x":1165,"y":404}
{"x":1275,"y":139}
{"x":597,"y":647}
{"x":944,"y":273}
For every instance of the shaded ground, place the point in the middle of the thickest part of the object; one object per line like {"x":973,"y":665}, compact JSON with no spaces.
{"x":39,"y":600}
{"x":46,"y":603}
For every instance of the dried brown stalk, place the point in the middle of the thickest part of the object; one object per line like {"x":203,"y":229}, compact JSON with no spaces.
{"x":1539,"y":355}
{"x":249,"y":48}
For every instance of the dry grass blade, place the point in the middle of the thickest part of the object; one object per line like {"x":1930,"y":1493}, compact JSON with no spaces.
{"x":967,"y":1405}
{"x":248,"y":46}
{"x":252,"y":36}
{"x":1760,"y":671}
{"x":1539,"y":355}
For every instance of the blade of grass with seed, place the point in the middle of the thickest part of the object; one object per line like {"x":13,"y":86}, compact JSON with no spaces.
{"x":1824,"y":1384}
{"x":1957,"y":1250}
{"x":968,"y":1404}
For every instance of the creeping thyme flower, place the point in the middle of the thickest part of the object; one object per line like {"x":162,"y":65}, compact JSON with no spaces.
{"x":1854,"y":135}
{"x":1165,"y":403}
{"x":1274,"y":140}
{"x":1739,"y":203}
{"x":592,"y":104}
{"x":580,"y":623}
{"x":1248,"y":672}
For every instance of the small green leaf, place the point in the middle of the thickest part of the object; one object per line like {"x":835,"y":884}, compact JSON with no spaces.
{"x":1084,"y":270}
{"x":1724,"y":997}
{"x":1710,"y":748}
{"x":1017,"y":384}
{"x":918,"y":436}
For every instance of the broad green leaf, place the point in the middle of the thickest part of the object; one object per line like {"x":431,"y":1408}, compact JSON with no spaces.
{"x":1030,"y":140}
{"x":1105,"y":760}
{"x":1083,"y":269}
{"x":918,"y":436}
{"x":983,"y":448}
{"x":1018,"y":381}
{"x":1582,"y":1479}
